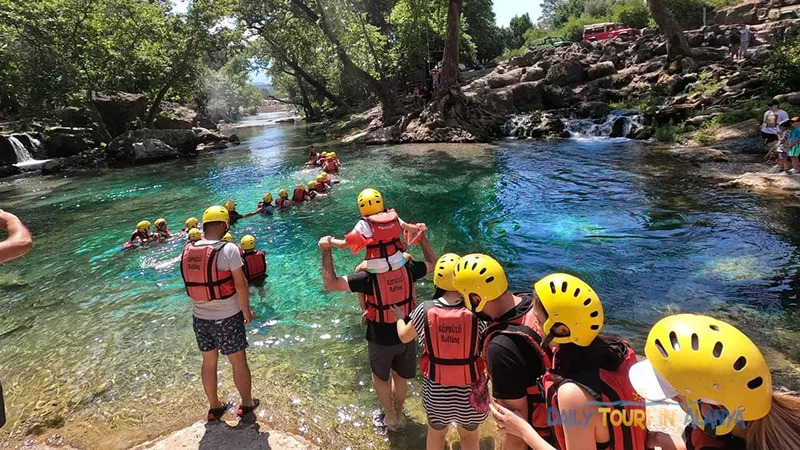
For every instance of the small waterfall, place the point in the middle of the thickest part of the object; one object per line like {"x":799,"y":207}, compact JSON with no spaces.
{"x":531,"y":125}
{"x":23,"y":155}
{"x":617,"y":124}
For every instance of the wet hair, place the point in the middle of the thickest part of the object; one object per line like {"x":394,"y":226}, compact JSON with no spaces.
{"x":778,"y":430}
{"x":605,"y":352}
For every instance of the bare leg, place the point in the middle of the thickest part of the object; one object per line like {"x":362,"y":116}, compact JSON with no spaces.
{"x":384,"y":391}
{"x":470,"y":440}
{"x":209,"y":376}
{"x":436,"y":439}
{"x":399,"y":393}
{"x":241,"y":377}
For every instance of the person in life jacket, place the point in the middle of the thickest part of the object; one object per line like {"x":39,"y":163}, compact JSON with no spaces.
{"x":300,"y":194}
{"x":321,"y":185}
{"x":589,"y":378}
{"x":331,"y":163}
{"x":142,"y":232}
{"x":454,"y":373}
{"x":392,"y":362}
{"x":380,"y":231}
{"x":322,"y":157}
{"x":162,"y":231}
{"x":283,"y":199}
{"x":230,"y":205}
{"x":195,"y":235}
{"x":215,"y":281}
{"x":228,"y":237}
{"x":255,"y":263}
{"x":512,"y":346}
{"x":190,"y":223}
{"x":324,"y":178}
{"x":264,"y":207}
{"x":313,"y":156}
{"x":720,"y":378}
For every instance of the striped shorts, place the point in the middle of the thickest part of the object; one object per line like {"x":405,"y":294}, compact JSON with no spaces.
{"x":452,"y":404}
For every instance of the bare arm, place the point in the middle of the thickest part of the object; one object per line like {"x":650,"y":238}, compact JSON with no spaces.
{"x":329,"y":279}
{"x":406,"y":331}
{"x":338,"y":243}
{"x":19,"y":241}
{"x":572,"y":397}
{"x":242,"y":293}
{"x":516,"y":426}
{"x":429,"y":254}
{"x":410,"y":227}
{"x":258,"y":210}
{"x":519,"y":406}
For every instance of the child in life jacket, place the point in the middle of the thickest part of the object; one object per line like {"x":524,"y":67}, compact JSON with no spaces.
{"x":589,"y":369}
{"x":264,"y":207}
{"x":323,"y":183}
{"x":255,"y":264}
{"x":162,"y":232}
{"x":312,"y":190}
{"x":300,"y":195}
{"x":283,"y":199}
{"x":454,"y":380}
{"x":331,"y":163}
{"x":141,"y":233}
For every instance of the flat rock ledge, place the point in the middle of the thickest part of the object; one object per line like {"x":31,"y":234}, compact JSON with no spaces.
{"x":201,"y":435}
{"x":765,"y":182}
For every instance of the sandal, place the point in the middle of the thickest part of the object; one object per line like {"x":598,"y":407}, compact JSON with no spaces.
{"x":215,"y":414}
{"x":244,"y":410}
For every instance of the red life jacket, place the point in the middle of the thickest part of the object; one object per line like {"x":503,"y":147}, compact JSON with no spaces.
{"x":140,"y":235}
{"x":452,"y":346}
{"x":255,"y":264}
{"x":330,"y":165}
{"x":393,"y":288}
{"x":608,"y":387}
{"x":386,"y":232}
{"x":281,"y":202}
{"x":320,"y":187}
{"x":527,"y":326}
{"x":200,"y":275}
{"x":696,"y":439}
{"x":327,"y":181}
{"x":299,"y":195}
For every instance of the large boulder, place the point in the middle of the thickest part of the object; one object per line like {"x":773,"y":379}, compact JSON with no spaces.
{"x":8,"y":171}
{"x":61,"y":141}
{"x":695,"y":39}
{"x":88,"y":160}
{"x":527,"y":96}
{"x":707,"y":55}
{"x":566,"y":71}
{"x":618,"y":127}
{"x":601,"y":70}
{"x":792,"y":97}
{"x":74,"y":117}
{"x":496,"y":80}
{"x":555,"y":97}
{"x":150,"y":150}
{"x":499,"y":101}
{"x":742,"y":13}
{"x":122,"y":149}
{"x":205,"y":136}
{"x":175,"y":117}
{"x":533,"y":74}
{"x":7,"y":154}
{"x":592,"y":110}
{"x":119,"y":110}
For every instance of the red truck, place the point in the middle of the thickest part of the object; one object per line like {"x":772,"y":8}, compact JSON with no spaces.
{"x":603,"y":31}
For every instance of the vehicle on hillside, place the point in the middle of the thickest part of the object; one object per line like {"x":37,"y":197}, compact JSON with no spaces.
{"x":610,"y":30}
{"x":551,"y":41}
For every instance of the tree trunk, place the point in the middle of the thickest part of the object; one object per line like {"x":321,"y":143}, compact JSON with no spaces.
{"x":104,"y":134}
{"x":449,"y":75}
{"x":156,"y":106}
{"x":678,"y":46}
{"x":393,"y":109}
{"x":307,"y":106}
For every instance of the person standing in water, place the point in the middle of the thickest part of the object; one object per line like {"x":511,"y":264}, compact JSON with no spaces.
{"x":255,"y":264}
{"x":19,"y":240}
{"x":454,"y":386}
{"x":142,"y":232}
{"x":162,"y":231}
{"x":392,"y":362}
{"x":230,"y":205}
{"x":216,"y":283}
{"x":264,"y":207}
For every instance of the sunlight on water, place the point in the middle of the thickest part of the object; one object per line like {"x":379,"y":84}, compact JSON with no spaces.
{"x":99,"y":340}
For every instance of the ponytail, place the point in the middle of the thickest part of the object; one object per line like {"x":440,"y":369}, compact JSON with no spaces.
{"x":778,"y":430}
{"x":605,"y":352}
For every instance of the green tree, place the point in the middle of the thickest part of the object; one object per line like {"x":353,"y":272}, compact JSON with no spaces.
{"x":518,"y":26}
{"x":480,"y":26}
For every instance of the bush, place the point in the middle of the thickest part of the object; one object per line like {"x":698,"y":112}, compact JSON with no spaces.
{"x":782,"y":72}
{"x":633,"y":13}
{"x":665,"y":133}
{"x":573,"y":29}
{"x":688,"y":13}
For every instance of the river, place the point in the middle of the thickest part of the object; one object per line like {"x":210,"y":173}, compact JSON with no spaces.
{"x":96,"y":344}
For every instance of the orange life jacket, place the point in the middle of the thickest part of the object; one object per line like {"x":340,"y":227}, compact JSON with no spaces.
{"x":452,"y":346}
{"x":255,"y":264}
{"x":330,"y":166}
{"x":281,"y":202}
{"x":393,"y":288}
{"x":200,"y":275}
{"x":320,"y":187}
{"x":140,"y":234}
{"x":696,"y":439}
{"x":527,"y":326}
{"x":299,"y":195}
{"x":612,"y":388}
{"x":386,"y":232}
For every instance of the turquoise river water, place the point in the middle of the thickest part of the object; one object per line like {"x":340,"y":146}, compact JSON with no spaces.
{"x":96,"y":343}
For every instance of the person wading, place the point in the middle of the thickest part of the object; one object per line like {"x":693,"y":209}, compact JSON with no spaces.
{"x":214,"y":279}
{"x":392,"y":362}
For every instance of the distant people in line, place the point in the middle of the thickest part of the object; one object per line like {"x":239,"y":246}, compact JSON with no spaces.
{"x":300,"y":194}
{"x":255,"y":264}
{"x":162,"y":231}
{"x":392,"y":363}
{"x":264,"y":207}
{"x":734,"y":39}
{"x":190,"y":223}
{"x":745,"y":36}
{"x":454,"y":384}
{"x":283,"y":199}
{"x":331,"y":163}
{"x":322,"y":186}
{"x":215,"y":281}
{"x":19,"y":240}
{"x":312,"y":190}
{"x":769,"y":125}
{"x":142,"y":232}
{"x":313,"y":156}
{"x":230,"y":205}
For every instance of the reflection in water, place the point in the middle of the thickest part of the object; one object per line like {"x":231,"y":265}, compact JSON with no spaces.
{"x":100,"y":340}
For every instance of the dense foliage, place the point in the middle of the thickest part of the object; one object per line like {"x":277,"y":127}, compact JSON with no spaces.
{"x":782,"y":72}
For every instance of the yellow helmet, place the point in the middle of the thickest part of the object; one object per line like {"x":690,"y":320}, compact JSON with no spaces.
{"x":191,"y":222}
{"x":443,"y":273}
{"x":370,"y":202}
{"x":324,"y":175}
{"x":708,"y":360}
{"x":332,"y":154}
{"x":481,"y":275}
{"x":267,"y":197}
{"x":570,"y":301}
{"x":312,"y":184}
{"x":324,"y":154}
{"x":230,"y":205}
{"x":143,"y":225}
{"x":195,"y":234}
{"x":216,"y":214}
{"x":320,"y":178}
{"x":228,"y":237}
{"x":283,"y":194}
{"x":160,"y":222}
{"x":248,"y":242}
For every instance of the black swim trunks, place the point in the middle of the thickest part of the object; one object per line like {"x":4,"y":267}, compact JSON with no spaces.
{"x":227,"y":335}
